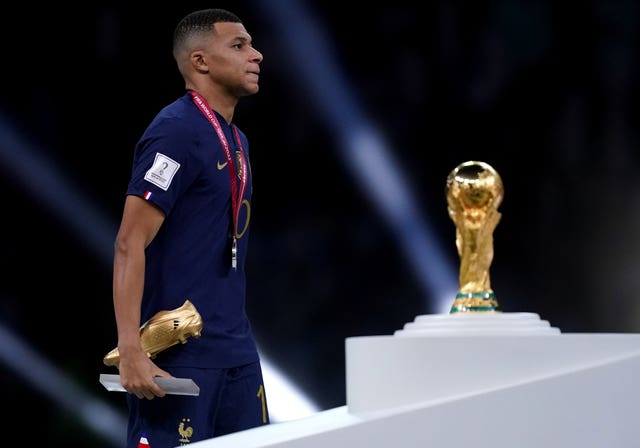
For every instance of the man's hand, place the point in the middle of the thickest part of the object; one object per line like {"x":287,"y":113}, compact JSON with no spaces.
{"x":137,"y":373}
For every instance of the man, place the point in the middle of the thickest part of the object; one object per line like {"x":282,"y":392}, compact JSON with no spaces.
{"x":181,"y":247}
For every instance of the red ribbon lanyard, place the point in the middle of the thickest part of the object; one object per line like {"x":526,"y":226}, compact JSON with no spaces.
{"x":236,"y":193}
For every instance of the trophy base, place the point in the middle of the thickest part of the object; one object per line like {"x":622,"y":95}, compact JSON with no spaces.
{"x":475,"y":302}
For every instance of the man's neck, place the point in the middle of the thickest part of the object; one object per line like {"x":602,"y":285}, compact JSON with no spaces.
{"x":221,"y":103}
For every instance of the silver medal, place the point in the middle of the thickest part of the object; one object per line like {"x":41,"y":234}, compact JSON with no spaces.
{"x":234,"y":253}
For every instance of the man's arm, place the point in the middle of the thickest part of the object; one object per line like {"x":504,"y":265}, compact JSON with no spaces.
{"x":140,"y":223}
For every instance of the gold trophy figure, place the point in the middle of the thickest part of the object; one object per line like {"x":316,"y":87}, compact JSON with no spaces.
{"x":474,"y":191}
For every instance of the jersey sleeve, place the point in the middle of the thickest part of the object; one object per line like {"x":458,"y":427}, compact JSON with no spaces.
{"x":162,"y":167}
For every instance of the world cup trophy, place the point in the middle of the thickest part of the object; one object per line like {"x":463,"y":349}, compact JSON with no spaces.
{"x":474,"y":192}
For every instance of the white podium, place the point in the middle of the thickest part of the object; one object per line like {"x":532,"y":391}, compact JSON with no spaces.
{"x":506,"y":380}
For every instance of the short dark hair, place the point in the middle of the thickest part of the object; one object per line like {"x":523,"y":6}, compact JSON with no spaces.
{"x":200,"y":21}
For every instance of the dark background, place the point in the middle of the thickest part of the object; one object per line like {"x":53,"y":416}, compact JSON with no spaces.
{"x":546,"y":92}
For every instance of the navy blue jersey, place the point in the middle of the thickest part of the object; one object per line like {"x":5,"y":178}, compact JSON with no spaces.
{"x":179,"y":165}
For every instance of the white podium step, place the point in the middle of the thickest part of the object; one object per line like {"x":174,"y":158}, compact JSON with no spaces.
{"x":476,"y":324}
{"x":502,"y":388}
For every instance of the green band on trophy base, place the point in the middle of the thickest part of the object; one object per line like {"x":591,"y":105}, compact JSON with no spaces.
{"x":476,"y":302}
{"x":476,"y":295}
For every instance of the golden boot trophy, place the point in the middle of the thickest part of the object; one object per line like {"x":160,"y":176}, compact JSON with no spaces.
{"x":163,"y":330}
{"x":474,"y":191}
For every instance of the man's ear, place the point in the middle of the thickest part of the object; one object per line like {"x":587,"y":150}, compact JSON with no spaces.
{"x":198,"y":61}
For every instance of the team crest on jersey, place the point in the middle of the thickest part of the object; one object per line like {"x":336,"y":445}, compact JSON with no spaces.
{"x":162,"y":171}
{"x":185,"y":431}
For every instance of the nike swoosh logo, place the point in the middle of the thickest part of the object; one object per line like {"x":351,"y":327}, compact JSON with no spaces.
{"x":221,"y":165}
